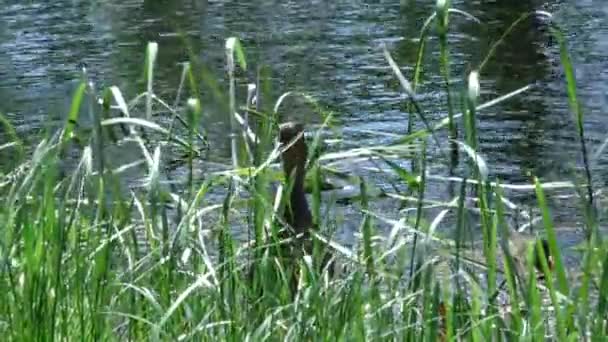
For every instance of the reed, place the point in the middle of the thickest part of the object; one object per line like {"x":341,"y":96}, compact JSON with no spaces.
{"x":84,"y":257}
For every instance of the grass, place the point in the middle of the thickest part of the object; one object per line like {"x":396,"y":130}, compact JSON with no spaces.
{"x":82,"y":257}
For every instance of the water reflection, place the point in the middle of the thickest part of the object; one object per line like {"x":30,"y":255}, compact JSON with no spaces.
{"x":328,"y":49}
{"x":524,"y":57}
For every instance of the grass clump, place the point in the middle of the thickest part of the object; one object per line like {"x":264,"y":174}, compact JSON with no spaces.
{"x":84,"y":257}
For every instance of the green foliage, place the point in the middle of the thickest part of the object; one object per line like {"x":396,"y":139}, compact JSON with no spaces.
{"x":82,"y":257}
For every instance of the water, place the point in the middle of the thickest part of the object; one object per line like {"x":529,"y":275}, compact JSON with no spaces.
{"x":331,"y":50}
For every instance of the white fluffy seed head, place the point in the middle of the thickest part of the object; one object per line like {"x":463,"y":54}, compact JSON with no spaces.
{"x":441,"y":5}
{"x":194,"y":105}
{"x":441,"y":8}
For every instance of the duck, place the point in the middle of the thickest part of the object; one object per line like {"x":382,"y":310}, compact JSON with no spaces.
{"x":518,"y":248}
{"x":295,"y":236}
{"x":297,"y":214}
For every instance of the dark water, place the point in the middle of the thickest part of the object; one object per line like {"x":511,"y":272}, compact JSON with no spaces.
{"x":331,"y":50}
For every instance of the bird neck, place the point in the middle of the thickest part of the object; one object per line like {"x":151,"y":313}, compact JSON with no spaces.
{"x":298,"y":214}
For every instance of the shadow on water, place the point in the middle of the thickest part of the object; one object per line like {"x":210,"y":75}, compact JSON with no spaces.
{"x":534,"y":134}
{"x":521,"y":131}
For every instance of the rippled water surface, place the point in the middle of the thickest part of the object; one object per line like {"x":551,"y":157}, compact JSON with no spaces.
{"x":331,"y":50}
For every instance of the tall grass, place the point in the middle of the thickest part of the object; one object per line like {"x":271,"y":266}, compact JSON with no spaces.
{"x":82,"y":257}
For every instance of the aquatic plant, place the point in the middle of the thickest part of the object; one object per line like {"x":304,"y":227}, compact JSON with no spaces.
{"x":82,"y":256}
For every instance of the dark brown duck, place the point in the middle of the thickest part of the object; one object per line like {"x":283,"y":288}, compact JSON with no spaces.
{"x":297,"y":215}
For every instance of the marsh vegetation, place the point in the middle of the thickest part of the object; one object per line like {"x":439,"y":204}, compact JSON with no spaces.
{"x":96,"y":248}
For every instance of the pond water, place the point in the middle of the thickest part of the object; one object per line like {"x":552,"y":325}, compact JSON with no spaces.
{"x":332,"y":51}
